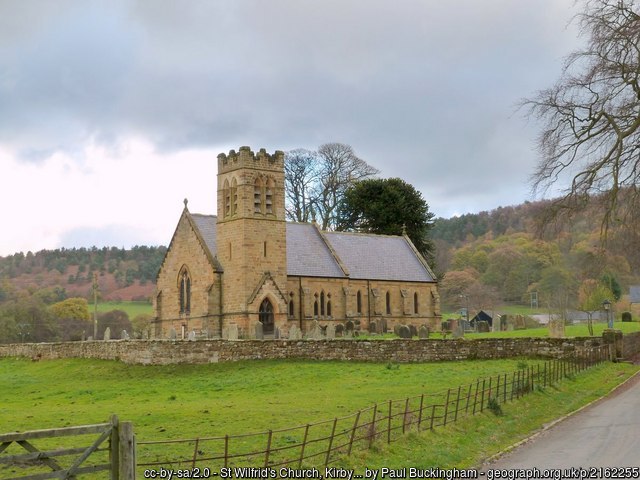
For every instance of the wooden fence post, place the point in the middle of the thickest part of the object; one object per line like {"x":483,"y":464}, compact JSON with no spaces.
{"x":446,"y":407}
{"x":353,"y":434}
{"x":389,"y":424}
{"x":420,"y":414}
{"x":268,"y":450}
{"x":114,"y":452}
{"x":372,"y":432}
{"x":127,"y":447}
{"x":333,"y":432}
{"x":482,"y":396}
{"x":466,"y":407}
{"x":405,"y":416}
{"x":455,"y":418}
{"x":304,"y":444}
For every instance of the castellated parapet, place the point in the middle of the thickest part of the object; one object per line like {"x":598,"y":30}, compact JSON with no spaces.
{"x":245,"y":158}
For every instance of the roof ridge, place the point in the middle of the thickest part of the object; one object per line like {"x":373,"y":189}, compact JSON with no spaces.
{"x":362,"y":234}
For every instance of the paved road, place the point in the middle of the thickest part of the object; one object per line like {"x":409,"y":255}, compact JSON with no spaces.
{"x":606,"y":434}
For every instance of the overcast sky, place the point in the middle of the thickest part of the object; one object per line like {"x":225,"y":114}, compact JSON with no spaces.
{"x":112,"y":112}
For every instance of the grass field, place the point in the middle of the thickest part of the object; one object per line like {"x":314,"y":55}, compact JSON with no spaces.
{"x":132,"y":308}
{"x":187,"y":401}
{"x":578,"y":330}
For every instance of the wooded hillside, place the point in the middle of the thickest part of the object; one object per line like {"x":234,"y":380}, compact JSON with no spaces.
{"x":505,"y":256}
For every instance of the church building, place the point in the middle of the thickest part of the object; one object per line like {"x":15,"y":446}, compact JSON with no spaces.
{"x":249,"y":265}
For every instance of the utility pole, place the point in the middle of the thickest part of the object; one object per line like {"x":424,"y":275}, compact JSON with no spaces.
{"x":95,"y":305}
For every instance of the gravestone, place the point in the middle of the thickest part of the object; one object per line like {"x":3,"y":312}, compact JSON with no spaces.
{"x":519,"y":323}
{"x":396,"y":329}
{"x":382,"y":325}
{"x":276,"y":334}
{"x":331,"y":331}
{"x":349,"y":327}
{"x":107,"y":334}
{"x":423,"y":331}
{"x":373,"y":328}
{"x":315,"y":333}
{"x":232,"y":331}
{"x":192,"y":336}
{"x":556,"y":328}
{"x":453,"y":324}
{"x":295,"y":333}
{"x":339,"y":330}
{"x":124,"y":335}
{"x":483,"y":327}
{"x":446,"y":326}
{"x":259,"y":331}
{"x":172,"y":334}
{"x":414,"y":330}
{"x":404,"y":331}
{"x":458,"y":332}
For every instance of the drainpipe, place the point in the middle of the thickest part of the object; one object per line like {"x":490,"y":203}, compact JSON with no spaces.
{"x":368,"y":305}
{"x":220,"y":306}
{"x":300,"y":301}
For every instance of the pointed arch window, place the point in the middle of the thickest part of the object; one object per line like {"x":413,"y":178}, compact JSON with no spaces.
{"x":315,"y":305}
{"x":185,"y":292}
{"x":291,"y":309}
{"x":257,"y":196}
{"x":388,"y":301}
{"x":322,"y":304}
{"x":234,"y":196}
{"x":269,"y":190}
{"x":328,"y":308}
{"x":415,"y":303}
{"x":359,"y":302}
{"x":226,"y":193}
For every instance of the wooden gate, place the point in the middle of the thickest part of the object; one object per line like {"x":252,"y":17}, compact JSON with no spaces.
{"x":113,"y":451}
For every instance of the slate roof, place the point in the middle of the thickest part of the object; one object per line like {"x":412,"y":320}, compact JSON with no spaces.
{"x":312,"y":253}
{"x":378,"y":257}
{"x":308,"y":254}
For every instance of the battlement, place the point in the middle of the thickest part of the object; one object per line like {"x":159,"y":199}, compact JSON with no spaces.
{"x":246,"y":158}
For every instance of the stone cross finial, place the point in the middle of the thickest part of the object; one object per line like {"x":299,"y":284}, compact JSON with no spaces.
{"x":185,"y":202}
{"x":404,"y":229}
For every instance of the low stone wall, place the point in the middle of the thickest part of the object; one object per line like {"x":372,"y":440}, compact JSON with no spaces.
{"x":160,"y":352}
{"x":630,"y":344}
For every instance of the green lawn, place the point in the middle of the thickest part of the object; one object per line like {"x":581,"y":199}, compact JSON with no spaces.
{"x":188,"y":401}
{"x":132,"y":308}
{"x":578,"y":330}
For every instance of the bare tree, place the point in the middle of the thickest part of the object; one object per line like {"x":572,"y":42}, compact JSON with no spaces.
{"x":301,"y":174}
{"x":591,"y":117}
{"x":316,"y":181}
{"x":340,"y":168}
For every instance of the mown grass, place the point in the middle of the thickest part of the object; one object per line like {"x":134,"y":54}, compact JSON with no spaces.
{"x":472,"y":440}
{"x":577,"y":330}
{"x":187,"y":401}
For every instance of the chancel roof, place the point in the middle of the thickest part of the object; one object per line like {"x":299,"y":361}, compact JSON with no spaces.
{"x":379,"y":257}
{"x":313,"y":253}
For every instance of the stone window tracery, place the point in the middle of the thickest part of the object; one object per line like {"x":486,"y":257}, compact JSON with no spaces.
{"x":185,"y":292}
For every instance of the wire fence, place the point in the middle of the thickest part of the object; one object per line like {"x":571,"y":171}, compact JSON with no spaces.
{"x":322,"y":443}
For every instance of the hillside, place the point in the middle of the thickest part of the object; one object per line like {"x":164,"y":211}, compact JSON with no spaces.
{"x":505,"y":256}
{"x":123,"y":275}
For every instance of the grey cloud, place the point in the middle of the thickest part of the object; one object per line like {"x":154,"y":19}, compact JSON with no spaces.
{"x":421,"y":89}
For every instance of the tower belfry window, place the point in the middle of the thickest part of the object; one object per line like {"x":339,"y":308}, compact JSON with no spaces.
{"x":234,"y":197}
{"x":257,"y":196}
{"x":227,"y":199}
{"x":269,"y":196}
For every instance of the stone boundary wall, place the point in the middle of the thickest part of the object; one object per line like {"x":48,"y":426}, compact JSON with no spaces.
{"x":162,"y":352}
{"x":630,"y":344}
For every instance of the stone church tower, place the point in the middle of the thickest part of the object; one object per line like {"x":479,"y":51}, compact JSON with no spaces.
{"x":251,"y":238}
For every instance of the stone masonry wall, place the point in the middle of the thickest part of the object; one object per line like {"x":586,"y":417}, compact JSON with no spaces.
{"x":161,"y":352}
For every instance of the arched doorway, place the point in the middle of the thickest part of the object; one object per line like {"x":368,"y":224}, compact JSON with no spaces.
{"x":266,"y":316}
